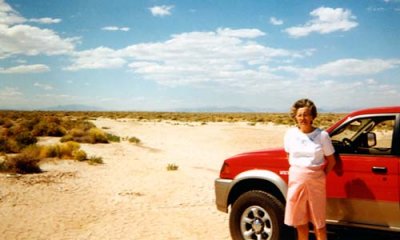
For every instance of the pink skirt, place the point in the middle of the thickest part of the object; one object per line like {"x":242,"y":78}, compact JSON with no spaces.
{"x":306,"y":198}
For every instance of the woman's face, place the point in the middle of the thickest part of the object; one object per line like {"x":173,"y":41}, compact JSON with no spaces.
{"x":304,"y":118}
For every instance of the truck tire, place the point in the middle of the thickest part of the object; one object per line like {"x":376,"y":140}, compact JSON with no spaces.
{"x":257,"y":215}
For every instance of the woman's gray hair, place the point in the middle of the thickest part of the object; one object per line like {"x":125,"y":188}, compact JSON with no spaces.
{"x":303,"y":103}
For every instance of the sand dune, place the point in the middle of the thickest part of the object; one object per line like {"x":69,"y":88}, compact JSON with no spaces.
{"x":132,"y":195}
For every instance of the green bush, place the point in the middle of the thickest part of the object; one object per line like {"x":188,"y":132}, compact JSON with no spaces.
{"x":113,"y":138}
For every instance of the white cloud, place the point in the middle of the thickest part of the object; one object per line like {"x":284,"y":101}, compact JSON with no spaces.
{"x":225,"y":56}
{"x":9,"y":16}
{"x":161,"y":11}
{"x":115,"y":28}
{"x":17,"y":38}
{"x":354,"y":67}
{"x":45,"y":20}
{"x":343,"y":68}
{"x":28,"y":40}
{"x":21,"y":69}
{"x":240,"y":33}
{"x":99,"y":58}
{"x":43,"y":86}
{"x":325,"y":20}
{"x":9,"y":92}
{"x":275,"y":21}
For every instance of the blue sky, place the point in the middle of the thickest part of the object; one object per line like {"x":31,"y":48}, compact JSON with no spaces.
{"x":170,"y":55}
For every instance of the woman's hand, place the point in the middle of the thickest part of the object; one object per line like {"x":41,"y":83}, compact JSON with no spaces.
{"x":331,"y":163}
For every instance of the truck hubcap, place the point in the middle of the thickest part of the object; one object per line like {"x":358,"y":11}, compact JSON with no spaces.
{"x":255,"y":223}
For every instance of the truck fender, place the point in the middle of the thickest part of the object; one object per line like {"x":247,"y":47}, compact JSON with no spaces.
{"x":263,"y":175}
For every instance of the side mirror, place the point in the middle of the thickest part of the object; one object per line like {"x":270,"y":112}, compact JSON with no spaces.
{"x":371,"y":138}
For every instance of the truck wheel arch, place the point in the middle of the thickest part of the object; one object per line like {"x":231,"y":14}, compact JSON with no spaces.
{"x":264,"y":180}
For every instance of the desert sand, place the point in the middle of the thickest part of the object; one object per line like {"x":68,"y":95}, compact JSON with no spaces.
{"x":132,"y":195}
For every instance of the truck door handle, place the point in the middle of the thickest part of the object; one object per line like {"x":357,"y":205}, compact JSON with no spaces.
{"x":379,"y":170}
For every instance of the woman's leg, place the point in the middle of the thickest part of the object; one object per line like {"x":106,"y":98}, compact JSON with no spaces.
{"x":321,"y":233}
{"x":302,"y":232}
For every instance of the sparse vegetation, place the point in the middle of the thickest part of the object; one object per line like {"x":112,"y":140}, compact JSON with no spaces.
{"x":24,"y":163}
{"x":19,"y":132}
{"x":95,"y":160}
{"x":29,"y":159}
{"x":134,"y":140}
{"x":113,"y":138}
{"x":172,"y":167}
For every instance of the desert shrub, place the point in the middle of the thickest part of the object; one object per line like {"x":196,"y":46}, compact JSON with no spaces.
{"x":30,"y":123}
{"x":113,"y":138}
{"x":97,"y":136}
{"x":134,"y":140}
{"x":3,"y":166}
{"x":77,"y":132}
{"x":83,"y":135}
{"x":78,"y":124}
{"x":64,"y":150}
{"x":3,"y":158}
{"x":68,"y":138}
{"x":79,"y":155}
{"x":8,"y":123}
{"x":50,"y":151}
{"x":67,"y":149}
{"x":32,"y":150}
{"x":3,"y":144}
{"x":44,"y":128}
{"x":25,"y":138}
{"x":77,"y":135}
{"x":11,"y":146}
{"x":95,"y":160}
{"x":172,"y":167}
{"x":24,"y":163}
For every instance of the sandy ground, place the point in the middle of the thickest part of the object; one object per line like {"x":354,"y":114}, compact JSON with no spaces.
{"x":132,"y":195}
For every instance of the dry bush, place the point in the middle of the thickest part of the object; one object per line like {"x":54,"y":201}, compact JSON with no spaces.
{"x":97,"y":136}
{"x":94,"y":160}
{"x":92,"y":135}
{"x":64,"y":150}
{"x":67,"y":149}
{"x":113,"y":138}
{"x":25,"y":139}
{"x":79,"y":155}
{"x":23,"y":163}
{"x":44,"y":128}
{"x":3,"y":144}
{"x":134,"y":140}
{"x":172,"y":167}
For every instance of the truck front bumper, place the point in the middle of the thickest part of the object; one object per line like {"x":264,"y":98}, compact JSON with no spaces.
{"x":222,"y":187}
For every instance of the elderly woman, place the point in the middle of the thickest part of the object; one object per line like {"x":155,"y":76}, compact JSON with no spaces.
{"x":311,"y":158}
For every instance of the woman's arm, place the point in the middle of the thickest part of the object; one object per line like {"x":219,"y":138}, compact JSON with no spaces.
{"x":331,"y":163}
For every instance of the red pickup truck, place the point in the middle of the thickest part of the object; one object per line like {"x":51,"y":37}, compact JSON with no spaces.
{"x":363,"y":190}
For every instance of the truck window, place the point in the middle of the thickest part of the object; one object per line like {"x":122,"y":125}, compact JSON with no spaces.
{"x":365,"y":136}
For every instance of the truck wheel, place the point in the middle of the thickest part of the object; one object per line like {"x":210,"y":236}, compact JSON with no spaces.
{"x":257,"y":215}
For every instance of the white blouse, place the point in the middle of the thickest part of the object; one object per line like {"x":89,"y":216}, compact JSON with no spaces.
{"x":307,"y":150}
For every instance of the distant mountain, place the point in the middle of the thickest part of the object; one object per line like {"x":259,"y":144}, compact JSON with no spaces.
{"x":72,"y":107}
{"x":231,"y":109}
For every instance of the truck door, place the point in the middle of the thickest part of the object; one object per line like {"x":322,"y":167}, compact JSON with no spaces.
{"x":364,"y":187}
